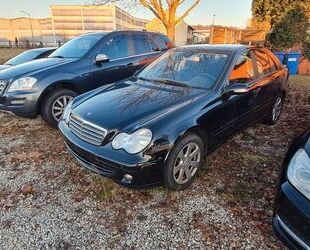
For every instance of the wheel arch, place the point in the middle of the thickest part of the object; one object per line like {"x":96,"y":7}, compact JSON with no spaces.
{"x":56,"y":85}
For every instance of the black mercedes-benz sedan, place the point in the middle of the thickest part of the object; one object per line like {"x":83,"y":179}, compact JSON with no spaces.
{"x":291,"y":220}
{"x":155,"y":127}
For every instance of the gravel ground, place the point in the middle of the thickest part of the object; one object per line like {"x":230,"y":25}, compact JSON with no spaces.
{"x":48,"y":201}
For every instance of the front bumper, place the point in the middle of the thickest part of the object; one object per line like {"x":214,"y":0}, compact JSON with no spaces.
{"x":22,"y":103}
{"x":291,"y":220}
{"x":114,"y":164}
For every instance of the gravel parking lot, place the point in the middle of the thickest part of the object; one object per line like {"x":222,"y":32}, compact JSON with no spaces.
{"x":48,"y":201}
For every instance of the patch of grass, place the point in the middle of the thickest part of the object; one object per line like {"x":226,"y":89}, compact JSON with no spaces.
{"x":105,"y":189}
{"x":241,"y":192}
{"x":251,"y":158}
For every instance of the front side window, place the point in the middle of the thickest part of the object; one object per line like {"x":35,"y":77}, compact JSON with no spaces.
{"x":141,"y":44}
{"x":191,"y":68}
{"x":243,"y":71}
{"x":117,"y":47}
{"x":77,"y":47}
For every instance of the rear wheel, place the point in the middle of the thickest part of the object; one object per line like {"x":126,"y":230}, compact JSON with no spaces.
{"x":54,"y":104}
{"x":275,"y":113}
{"x":184,"y":162}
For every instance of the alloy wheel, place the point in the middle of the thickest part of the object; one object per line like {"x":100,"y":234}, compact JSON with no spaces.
{"x":187,"y":163}
{"x":277,"y":109}
{"x":59,"y":106}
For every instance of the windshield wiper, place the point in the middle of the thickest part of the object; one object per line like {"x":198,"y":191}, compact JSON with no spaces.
{"x":171,"y":82}
{"x":165,"y":81}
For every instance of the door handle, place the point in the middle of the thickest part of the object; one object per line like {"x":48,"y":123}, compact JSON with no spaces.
{"x":129,"y":64}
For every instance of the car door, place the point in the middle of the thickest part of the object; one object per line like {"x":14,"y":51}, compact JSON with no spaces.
{"x":244,"y":105}
{"x":269,"y":80}
{"x":120,"y":64}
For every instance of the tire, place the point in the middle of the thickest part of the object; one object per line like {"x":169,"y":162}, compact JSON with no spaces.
{"x":50,"y":107}
{"x":173,"y":178}
{"x":275,"y":112}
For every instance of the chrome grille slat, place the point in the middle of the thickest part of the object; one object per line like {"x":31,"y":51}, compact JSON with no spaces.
{"x":86,"y":130}
{"x":2,"y":86}
{"x":79,"y":125}
{"x":87,"y":134}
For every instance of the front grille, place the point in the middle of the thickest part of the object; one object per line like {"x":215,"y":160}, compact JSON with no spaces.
{"x":2,"y":86}
{"x":87,"y":131}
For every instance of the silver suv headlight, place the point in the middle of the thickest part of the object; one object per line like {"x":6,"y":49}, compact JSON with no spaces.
{"x":298,"y":172}
{"x":133,"y":143}
{"x":23,"y":83}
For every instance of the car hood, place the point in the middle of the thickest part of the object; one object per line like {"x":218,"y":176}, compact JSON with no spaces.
{"x":3,"y":67}
{"x":33,"y":67}
{"x":131,"y":104}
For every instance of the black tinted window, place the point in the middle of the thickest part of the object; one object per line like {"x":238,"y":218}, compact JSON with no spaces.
{"x":243,"y":71}
{"x":141,"y":44}
{"x":116,"y":47}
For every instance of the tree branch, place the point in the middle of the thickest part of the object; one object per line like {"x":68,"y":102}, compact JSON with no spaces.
{"x":186,"y":12}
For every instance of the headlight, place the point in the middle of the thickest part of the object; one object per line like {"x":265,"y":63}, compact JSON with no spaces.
{"x":133,"y":143}
{"x":23,"y":83}
{"x":298,"y":172}
{"x":67,"y":112}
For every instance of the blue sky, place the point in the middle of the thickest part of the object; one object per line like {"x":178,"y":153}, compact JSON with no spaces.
{"x":228,"y":12}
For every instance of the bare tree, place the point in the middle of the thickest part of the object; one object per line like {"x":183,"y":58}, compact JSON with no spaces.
{"x":165,"y":12}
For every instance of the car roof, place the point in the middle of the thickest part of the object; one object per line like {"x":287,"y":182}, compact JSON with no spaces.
{"x":44,"y":49}
{"x":120,"y":31}
{"x":228,"y":48}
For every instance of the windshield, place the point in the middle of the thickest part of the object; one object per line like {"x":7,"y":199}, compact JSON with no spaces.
{"x":77,"y":47}
{"x":23,"y":57}
{"x":186,"y":67}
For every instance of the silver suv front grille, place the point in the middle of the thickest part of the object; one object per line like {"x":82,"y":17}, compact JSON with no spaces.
{"x":2,"y":86}
{"x":86,"y":130}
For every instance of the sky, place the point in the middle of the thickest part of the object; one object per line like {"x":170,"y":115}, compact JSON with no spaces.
{"x":227,"y":12}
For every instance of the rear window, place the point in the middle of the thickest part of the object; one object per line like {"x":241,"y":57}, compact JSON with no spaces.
{"x":160,"y":43}
{"x":141,"y":44}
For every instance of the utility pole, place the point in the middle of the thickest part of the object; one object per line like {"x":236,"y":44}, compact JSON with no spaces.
{"x":213,"y":20}
{"x":212,"y":30}
{"x":30,"y":19}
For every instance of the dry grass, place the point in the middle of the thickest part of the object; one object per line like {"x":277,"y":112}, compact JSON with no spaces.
{"x":6,"y":54}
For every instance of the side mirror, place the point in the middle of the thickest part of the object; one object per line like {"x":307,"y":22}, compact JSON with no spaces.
{"x":236,"y":89}
{"x":101,"y":58}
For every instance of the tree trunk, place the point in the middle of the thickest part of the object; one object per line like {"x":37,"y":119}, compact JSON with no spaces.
{"x":171,"y":32}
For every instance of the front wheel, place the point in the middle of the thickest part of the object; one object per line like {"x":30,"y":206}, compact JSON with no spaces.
{"x":54,"y":104}
{"x":184,"y":162}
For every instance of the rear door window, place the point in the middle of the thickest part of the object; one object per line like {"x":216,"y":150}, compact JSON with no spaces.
{"x":243,"y":71}
{"x":141,"y":44}
{"x":264,"y":66}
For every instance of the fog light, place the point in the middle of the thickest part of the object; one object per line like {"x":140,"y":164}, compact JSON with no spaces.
{"x":18,"y":101}
{"x":127,"y":178}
